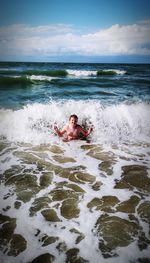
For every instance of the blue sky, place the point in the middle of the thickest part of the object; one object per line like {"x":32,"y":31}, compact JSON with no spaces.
{"x":75,"y":30}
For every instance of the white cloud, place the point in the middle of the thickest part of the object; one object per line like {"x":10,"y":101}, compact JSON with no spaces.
{"x":59,"y":39}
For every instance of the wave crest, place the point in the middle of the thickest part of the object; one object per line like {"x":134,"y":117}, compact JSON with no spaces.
{"x":87,"y":73}
{"x":111,"y":72}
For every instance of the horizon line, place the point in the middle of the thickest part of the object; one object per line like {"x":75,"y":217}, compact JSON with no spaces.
{"x":73,"y":62}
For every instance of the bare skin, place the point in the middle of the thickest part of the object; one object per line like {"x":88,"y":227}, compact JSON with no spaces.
{"x":72,"y":130}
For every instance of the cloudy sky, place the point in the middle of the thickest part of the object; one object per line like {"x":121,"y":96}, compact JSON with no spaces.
{"x":75,"y":30}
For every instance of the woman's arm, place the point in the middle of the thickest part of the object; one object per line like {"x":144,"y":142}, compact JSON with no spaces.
{"x":60,"y":132}
{"x":86,"y":133}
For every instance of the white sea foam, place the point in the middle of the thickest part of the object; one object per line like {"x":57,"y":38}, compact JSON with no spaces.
{"x":85,"y":223}
{"x":34,"y":123}
{"x":82,"y":73}
{"x":31,"y":124}
{"x":88,"y":73}
{"x":117,"y":71}
{"x":41,"y":78}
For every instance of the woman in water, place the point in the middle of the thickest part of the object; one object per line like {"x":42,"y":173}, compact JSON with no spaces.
{"x":72,"y":130}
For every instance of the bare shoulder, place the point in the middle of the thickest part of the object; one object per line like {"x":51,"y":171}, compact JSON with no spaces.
{"x":65,"y":128}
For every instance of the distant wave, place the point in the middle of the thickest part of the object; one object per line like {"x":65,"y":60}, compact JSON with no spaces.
{"x":15,"y":80}
{"x":86,"y":73}
{"x":41,"y":78}
{"x":82,"y":73}
{"x":35,"y":76}
{"x":61,"y":73}
{"x":111,"y":72}
{"x":24,"y":80}
{"x":51,"y":73}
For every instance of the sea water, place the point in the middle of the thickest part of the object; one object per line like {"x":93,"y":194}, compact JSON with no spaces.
{"x":78,"y":201}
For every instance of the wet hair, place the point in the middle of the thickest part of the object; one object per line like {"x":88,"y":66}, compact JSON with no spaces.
{"x":73,"y":116}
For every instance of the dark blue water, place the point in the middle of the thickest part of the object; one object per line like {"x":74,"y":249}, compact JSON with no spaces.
{"x":27,"y":83}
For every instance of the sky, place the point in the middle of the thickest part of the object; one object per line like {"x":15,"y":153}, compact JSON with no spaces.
{"x":75,"y":30}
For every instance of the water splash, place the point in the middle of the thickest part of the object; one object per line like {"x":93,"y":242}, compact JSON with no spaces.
{"x":34,"y":123}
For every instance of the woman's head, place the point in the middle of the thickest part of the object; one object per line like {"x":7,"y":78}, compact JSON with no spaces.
{"x":73,"y":119}
{"x":73,"y":116}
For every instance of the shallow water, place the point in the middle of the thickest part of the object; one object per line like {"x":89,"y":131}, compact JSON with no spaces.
{"x":75,"y":200}
{"x":78,"y":201}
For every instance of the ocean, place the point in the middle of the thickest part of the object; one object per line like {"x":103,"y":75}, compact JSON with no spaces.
{"x":83,"y":200}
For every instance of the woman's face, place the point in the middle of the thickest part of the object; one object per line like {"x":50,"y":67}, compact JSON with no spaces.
{"x":73,"y":121}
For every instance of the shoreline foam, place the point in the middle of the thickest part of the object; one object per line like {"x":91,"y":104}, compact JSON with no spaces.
{"x":61,"y":202}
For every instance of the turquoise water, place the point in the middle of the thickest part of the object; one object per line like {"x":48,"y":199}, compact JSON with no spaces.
{"x":25,"y":83}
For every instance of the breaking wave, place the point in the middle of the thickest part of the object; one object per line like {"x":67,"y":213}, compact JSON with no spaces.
{"x":14,"y":76}
{"x":115,"y":123}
